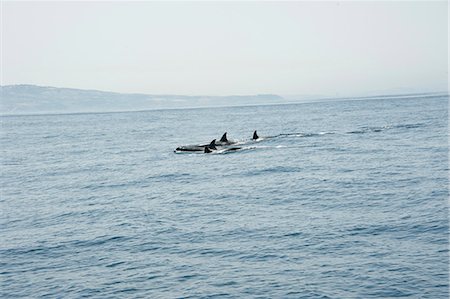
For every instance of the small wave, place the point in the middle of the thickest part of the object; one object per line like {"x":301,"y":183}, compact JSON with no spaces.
{"x":51,"y":136}
{"x":104,"y":185}
{"x":409,"y":126}
{"x":100,"y":241}
{"x":114,"y":264}
{"x":169,"y":176}
{"x":364,"y":130}
{"x":277,"y":169}
{"x":304,"y":134}
{"x":377,"y":129}
{"x":295,"y":234}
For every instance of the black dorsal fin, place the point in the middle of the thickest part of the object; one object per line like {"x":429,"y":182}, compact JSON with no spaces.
{"x":224,"y":137}
{"x":207,"y":150}
{"x":255,"y":136}
{"x":212,"y":145}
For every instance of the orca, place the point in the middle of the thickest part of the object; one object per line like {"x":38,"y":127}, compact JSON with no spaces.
{"x":212,"y":145}
{"x":224,"y":137}
{"x":208,"y":149}
{"x":197,"y":148}
{"x":255,"y":136}
{"x":230,"y":149}
{"x":224,"y":140}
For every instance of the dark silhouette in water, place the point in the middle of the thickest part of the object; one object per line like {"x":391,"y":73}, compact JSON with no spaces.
{"x":224,"y":140}
{"x":212,"y":145}
{"x":208,"y":148}
{"x":224,"y":137}
{"x":255,"y":136}
{"x":197,"y":148}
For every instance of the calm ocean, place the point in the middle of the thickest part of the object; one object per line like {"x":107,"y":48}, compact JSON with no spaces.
{"x":348,"y":199}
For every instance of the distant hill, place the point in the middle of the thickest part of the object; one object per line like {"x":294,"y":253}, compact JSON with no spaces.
{"x":32,"y":99}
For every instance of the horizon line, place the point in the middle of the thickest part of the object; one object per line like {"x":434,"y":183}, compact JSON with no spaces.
{"x":306,"y":101}
{"x":319,"y":97}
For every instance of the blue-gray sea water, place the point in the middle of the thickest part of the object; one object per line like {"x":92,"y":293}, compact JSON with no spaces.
{"x":345,"y":199}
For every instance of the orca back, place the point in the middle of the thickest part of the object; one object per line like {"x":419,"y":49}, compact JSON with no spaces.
{"x":212,"y":145}
{"x":255,"y":136}
{"x":224,"y":138}
{"x":207,"y":150}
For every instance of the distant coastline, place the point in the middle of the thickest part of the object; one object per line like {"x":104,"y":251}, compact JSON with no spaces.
{"x":26,"y":99}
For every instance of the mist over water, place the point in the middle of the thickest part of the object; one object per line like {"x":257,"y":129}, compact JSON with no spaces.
{"x":338,"y":200}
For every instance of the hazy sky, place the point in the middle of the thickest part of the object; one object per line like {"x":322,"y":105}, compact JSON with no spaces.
{"x":221,"y":48}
